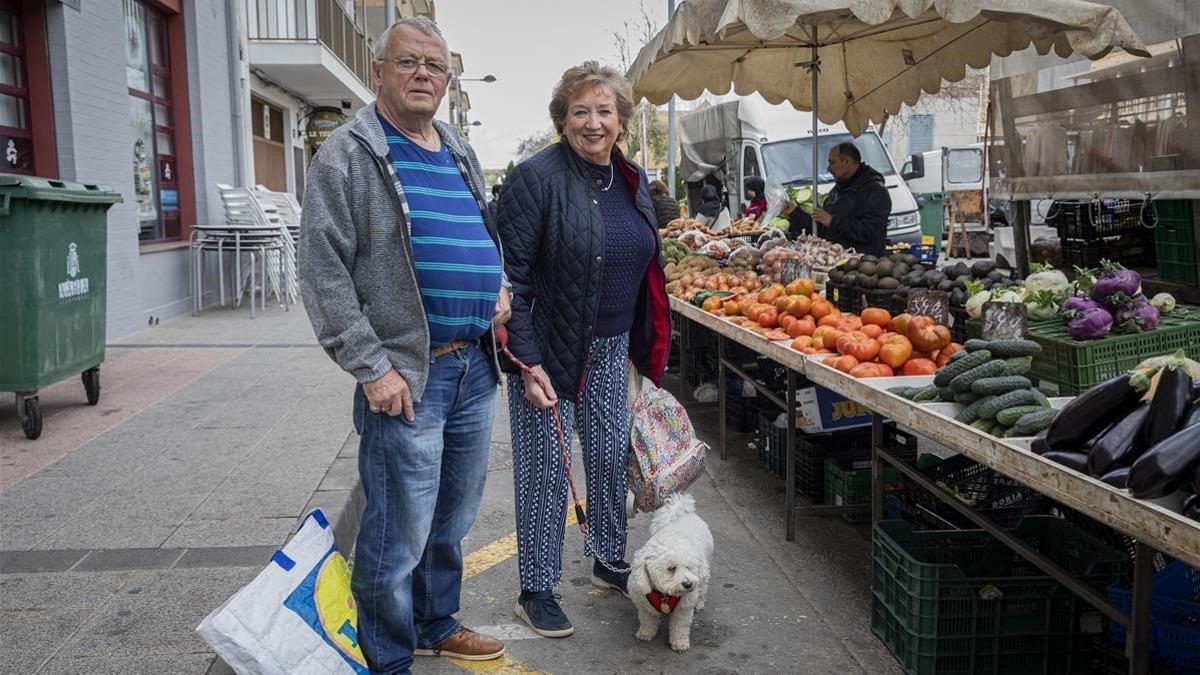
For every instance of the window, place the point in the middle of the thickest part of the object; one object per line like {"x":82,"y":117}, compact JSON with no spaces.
{"x":920,"y":133}
{"x":749,"y":163}
{"x":152,"y":125}
{"x":16,"y":136}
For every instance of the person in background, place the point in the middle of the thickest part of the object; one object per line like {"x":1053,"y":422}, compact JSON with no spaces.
{"x":855,"y":213}
{"x":665,"y":206}
{"x":756,"y":197}
{"x":710,"y":204}
{"x":493,"y":207}
{"x":402,"y":277}
{"x":589,"y":300}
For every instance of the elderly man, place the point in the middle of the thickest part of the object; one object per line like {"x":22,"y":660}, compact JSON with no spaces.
{"x":402,"y":280}
{"x":855,"y":214}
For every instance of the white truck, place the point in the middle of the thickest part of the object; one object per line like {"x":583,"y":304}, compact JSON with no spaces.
{"x":727,"y":142}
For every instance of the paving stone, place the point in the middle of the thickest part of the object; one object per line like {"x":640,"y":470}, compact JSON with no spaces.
{"x":30,"y":636}
{"x":343,"y":475}
{"x":158,"y":664}
{"x":227,"y":556}
{"x":129,"y":559}
{"x":112,"y":532}
{"x":232,"y":532}
{"x":12,"y":562}
{"x":58,"y":590}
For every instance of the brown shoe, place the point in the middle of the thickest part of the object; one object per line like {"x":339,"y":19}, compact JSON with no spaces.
{"x":467,"y":645}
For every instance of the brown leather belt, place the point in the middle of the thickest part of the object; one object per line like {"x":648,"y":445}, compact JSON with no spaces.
{"x":450,"y":347}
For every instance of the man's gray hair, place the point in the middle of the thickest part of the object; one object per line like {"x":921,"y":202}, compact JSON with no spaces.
{"x":421,"y":23}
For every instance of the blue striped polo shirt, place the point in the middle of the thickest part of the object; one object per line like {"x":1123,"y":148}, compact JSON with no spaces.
{"x":458,"y":266}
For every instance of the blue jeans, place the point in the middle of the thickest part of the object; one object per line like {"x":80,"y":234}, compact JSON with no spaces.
{"x":423,"y":482}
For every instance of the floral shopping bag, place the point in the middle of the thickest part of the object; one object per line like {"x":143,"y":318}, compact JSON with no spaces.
{"x":665,"y":456}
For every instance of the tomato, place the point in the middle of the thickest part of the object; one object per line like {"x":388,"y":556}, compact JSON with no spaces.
{"x":866,"y":370}
{"x":768,"y":318}
{"x":858,"y":345}
{"x":732,"y":308}
{"x":807,"y":325}
{"x":821,"y":308}
{"x":885,"y":370}
{"x":801,"y":342}
{"x":768,"y":295}
{"x":876,"y":316}
{"x":786,"y":320}
{"x":895,"y":351}
{"x":711,"y":304}
{"x":871,"y":330}
{"x":830,"y":361}
{"x":781,"y":303}
{"x":926,"y":335}
{"x":807,"y":287}
{"x":795,"y":288}
{"x":830,"y":320}
{"x":899,"y":323}
{"x":795,"y":327}
{"x":799,"y":306}
{"x":844,"y":363}
{"x":918,"y":367}
{"x":828,"y":340}
{"x":944,"y":354}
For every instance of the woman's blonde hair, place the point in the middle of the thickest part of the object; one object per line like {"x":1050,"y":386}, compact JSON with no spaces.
{"x":591,"y":74}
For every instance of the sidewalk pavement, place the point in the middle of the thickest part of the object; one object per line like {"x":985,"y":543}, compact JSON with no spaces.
{"x":126,"y":523}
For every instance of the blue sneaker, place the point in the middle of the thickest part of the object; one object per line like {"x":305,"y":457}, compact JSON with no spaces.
{"x":541,"y":612}
{"x":602,"y":577}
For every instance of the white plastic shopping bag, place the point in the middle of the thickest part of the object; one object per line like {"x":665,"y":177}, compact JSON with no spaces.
{"x":296,"y":617}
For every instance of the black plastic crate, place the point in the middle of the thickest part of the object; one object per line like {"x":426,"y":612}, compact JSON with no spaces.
{"x":992,"y":494}
{"x":742,"y":413}
{"x":850,"y":445}
{"x":1132,"y":250}
{"x":1097,"y":218}
{"x":958,"y":331}
{"x":843,"y":297}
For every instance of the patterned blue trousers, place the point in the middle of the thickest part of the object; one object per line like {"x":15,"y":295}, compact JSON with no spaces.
{"x":602,"y":420}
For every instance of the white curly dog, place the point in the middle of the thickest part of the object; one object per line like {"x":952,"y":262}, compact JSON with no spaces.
{"x":669,"y":573}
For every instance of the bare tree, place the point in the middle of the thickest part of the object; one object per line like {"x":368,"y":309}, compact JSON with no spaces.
{"x":529,"y":145}
{"x":633,"y":35}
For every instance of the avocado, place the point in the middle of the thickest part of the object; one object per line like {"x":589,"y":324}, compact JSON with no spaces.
{"x":837,"y":276}
{"x":917,"y":267}
{"x":851,"y":265}
{"x":996,"y":275}
{"x":899,"y":270}
{"x":889,"y":283}
{"x":982,"y":268}
{"x":851,"y":279}
{"x":884,"y":268}
{"x":869,"y":258}
{"x":866,"y":267}
{"x":868,"y":283}
{"x":909,"y":259}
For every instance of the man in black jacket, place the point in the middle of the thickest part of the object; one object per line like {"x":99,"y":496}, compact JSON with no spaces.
{"x":855,"y":214}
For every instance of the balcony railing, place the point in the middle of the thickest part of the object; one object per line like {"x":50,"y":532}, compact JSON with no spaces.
{"x":324,"y":21}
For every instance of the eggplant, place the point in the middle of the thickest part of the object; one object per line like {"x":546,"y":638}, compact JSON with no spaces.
{"x":1169,"y":407}
{"x":1072,"y":460}
{"x":1117,"y":478}
{"x":1086,"y":415}
{"x":1196,"y":478}
{"x":1191,"y":507}
{"x":1193,"y":415}
{"x":1166,"y":465}
{"x":1121,"y":444}
{"x":1039,"y":446}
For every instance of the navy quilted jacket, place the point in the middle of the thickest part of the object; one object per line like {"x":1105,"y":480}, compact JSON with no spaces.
{"x":553,"y":238}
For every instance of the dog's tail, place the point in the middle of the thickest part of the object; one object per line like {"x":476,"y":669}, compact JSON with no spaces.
{"x":676,"y":506}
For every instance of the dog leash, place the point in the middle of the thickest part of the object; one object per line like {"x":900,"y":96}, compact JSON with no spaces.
{"x":564,"y":449}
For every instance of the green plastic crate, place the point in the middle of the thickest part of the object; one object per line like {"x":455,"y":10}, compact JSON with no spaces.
{"x":962,"y":602}
{"x":1074,"y":366}
{"x":848,"y":482}
{"x":1175,"y":242}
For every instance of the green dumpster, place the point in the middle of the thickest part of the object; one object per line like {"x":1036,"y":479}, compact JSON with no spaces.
{"x":931,"y":217}
{"x":53,"y":260}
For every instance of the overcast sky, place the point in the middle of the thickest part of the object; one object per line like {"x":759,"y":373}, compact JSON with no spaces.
{"x":527,"y":44}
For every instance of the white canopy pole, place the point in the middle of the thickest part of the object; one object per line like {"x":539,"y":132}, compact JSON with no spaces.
{"x":814,"y":67}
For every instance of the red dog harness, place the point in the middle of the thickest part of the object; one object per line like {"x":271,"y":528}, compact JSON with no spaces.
{"x":665,"y":604}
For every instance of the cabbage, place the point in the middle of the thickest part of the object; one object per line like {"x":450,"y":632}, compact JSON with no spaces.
{"x":1046,"y":278}
{"x":975,"y":303}
{"x":1163,"y":302}
{"x":1042,"y":304}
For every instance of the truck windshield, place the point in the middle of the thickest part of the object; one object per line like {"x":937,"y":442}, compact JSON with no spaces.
{"x":790,"y":161}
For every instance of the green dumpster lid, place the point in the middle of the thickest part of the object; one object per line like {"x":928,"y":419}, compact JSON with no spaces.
{"x":20,"y":186}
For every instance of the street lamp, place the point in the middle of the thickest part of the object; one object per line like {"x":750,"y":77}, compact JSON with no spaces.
{"x":456,"y":104}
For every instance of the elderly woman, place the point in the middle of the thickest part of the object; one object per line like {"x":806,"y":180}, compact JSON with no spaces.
{"x":666,"y":208}
{"x":589,"y":296}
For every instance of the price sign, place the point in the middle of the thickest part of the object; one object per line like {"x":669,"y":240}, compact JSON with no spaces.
{"x":926,"y":240}
{"x":791,"y":269}
{"x":1004,"y":321}
{"x":931,"y":303}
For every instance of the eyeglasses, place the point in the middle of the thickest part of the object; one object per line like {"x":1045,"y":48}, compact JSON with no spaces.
{"x":409,"y":66}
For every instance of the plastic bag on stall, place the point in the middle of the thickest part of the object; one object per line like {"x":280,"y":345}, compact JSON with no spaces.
{"x":777,"y":198}
{"x":723,"y":221}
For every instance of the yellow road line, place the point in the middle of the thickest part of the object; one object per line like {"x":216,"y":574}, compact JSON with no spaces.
{"x":480,"y":561}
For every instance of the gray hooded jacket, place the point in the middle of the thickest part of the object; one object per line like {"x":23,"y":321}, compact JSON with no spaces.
{"x":355,"y":254}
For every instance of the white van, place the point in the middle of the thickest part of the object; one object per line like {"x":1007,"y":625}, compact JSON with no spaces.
{"x":931,"y":174}
{"x":729,"y":141}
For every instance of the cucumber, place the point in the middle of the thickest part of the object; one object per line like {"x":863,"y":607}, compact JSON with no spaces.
{"x":1008,"y":348}
{"x":975,"y":345}
{"x":971,"y":413}
{"x":990,"y":369}
{"x":957,"y":355}
{"x":1018,"y":365}
{"x":1033,"y":422}
{"x":1041,"y":398}
{"x":1012,"y":432}
{"x":957,"y":367}
{"x":999,"y":385}
{"x":925,"y":394}
{"x":905,"y":392}
{"x":1012,"y":399}
{"x":944,"y":394}
{"x":984,"y":425}
{"x":966,"y":398}
{"x":1010,"y":416}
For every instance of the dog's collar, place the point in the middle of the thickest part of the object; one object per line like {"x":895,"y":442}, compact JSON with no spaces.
{"x":665,"y":604}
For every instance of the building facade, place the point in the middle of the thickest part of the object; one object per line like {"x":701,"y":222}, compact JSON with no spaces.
{"x":164,"y":100}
